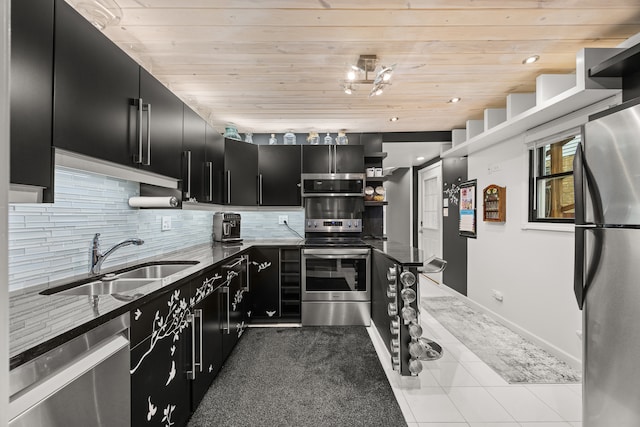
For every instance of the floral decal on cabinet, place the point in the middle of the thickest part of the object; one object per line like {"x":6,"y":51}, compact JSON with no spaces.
{"x":171,"y":326}
{"x":261,"y":265}
{"x":453,"y":193}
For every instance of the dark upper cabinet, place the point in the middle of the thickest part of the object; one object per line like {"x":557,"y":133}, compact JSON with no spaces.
{"x":163,"y":144}
{"x":333,"y":159}
{"x":349,"y":159}
{"x":240,"y":173}
{"x":106,"y":106}
{"x":95,"y":88}
{"x":193,"y":165}
{"x":264,"y":277}
{"x":214,"y":166}
{"x":317,"y":158}
{"x":279,"y":169}
{"x":31,"y":91}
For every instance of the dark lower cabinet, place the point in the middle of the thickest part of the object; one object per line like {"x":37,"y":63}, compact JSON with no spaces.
{"x":160,"y":385}
{"x":160,"y":392}
{"x":233,"y":303}
{"x":279,"y":168}
{"x":208,"y":335}
{"x":264,"y":279}
{"x":31,"y":92}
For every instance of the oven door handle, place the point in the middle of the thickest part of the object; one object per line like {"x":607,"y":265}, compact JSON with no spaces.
{"x":340,"y":256}
{"x":337,"y":252}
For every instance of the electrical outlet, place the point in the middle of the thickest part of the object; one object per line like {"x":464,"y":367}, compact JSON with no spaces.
{"x":166,"y":223}
{"x":283,"y":218}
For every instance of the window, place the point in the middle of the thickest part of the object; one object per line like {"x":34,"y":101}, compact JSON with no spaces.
{"x":551,"y":179}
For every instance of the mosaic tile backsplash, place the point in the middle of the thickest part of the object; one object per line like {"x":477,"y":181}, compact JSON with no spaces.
{"x":48,"y":242}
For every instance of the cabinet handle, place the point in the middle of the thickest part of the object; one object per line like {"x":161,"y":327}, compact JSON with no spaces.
{"x":330,"y":158}
{"x":260,"y":189}
{"x":209,"y":165}
{"x":192,"y":373}
{"x":187,"y":163}
{"x":335,"y":159}
{"x":228,"y":187}
{"x":198,"y":313}
{"x":148,"y":162}
{"x":227,"y":328}
{"x":246,"y":259}
{"x":138,"y":156}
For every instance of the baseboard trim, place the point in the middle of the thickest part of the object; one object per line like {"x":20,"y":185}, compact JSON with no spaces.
{"x":542,"y":343}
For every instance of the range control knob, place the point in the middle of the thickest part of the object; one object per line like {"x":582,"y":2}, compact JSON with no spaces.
{"x":409,"y":314}
{"x":417,"y":349}
{"x":415,"y":330}
{"x":408,"y":295}
{"x":348,"y":224}
{"x":392,"y":309}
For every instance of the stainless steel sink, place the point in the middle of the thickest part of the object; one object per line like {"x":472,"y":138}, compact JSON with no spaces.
{"x":127,"y":280}
{"x":106,"y":287}
{"x":158,"y":271}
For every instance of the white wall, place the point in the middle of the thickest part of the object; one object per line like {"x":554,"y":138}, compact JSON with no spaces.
{"x":533,"y":269}
{"x":398,"y":212}
{"x":4,"y":191}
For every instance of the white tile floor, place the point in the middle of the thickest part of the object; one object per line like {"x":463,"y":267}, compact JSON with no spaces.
{"x":460,"y":390}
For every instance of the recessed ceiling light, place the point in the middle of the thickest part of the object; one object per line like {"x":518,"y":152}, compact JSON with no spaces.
{"x":394,"y":119}
{"x":455,"y":99}
{"x":348,"y":90}
{"x":351,"y":75}
{"x":420,"y":158}
{"x":531,"y":59}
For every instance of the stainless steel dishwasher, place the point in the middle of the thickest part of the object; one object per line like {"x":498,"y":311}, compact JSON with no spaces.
{"x":83,"y":382}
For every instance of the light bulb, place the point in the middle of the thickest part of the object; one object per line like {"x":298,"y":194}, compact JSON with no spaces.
{"x":379,"y":91}
{"x":348,"y":90}
{"x":386,"y":76}
{"x":351,"y":75}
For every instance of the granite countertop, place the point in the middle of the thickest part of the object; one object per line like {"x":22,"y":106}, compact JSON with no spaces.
{"x":39,"y":323}
{"x":401,"y":253}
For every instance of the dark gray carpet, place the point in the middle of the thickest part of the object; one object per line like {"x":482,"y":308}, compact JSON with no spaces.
{"x":311,"y":376}
{"x":513,"y":357}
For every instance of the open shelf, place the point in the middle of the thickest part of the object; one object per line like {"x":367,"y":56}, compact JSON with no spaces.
{"x":558,"y":106}
{"x":375,"y":156}
{"x":374,"y":203}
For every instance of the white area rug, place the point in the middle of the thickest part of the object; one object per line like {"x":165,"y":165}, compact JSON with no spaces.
{"x":510,"y":355}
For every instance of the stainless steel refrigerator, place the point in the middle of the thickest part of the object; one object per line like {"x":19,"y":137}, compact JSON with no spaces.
{"x":607,"y":265}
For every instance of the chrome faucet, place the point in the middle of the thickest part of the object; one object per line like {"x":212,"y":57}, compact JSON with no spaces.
{"x":97,"y":257}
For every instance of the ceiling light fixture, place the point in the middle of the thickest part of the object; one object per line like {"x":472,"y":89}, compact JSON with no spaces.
{"x":531,"y":59}
{"x":455,"y":99}
{"x":394,"y":119}
{"x":365,"y":65}
{"x":420,"y":158}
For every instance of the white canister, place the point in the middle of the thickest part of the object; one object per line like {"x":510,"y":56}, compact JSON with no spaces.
{"x":378,"y":172}
{"x":371,"y":172}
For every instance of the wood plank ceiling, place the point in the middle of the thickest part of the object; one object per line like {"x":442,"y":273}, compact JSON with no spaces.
{"x":277,"y":65}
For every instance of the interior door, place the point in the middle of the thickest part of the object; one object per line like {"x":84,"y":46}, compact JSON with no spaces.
{"x":430,"y":217}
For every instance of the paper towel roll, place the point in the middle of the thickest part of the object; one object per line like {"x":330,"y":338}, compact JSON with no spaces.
{"x":153,"y":202}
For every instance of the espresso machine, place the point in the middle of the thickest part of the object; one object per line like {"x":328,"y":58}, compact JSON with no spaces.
{"x":226,"y":227}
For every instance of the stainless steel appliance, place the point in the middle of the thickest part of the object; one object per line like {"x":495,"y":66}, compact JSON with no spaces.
{"x":84,"y":382}
{"x":336,"y":287}
{"x":226,"y":227}
{"x":333,"y":185}
{"x":607,"y":240}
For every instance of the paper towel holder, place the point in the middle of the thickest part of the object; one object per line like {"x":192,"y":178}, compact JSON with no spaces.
{"x":149,"y":190}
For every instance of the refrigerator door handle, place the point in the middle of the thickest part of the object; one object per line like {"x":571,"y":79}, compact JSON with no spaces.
{"x":578,"y":188}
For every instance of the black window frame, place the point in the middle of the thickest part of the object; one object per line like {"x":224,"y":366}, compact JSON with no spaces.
{"x":536,"y":174}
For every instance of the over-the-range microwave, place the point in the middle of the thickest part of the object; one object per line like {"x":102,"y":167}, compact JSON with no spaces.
{"x":333,"y":184}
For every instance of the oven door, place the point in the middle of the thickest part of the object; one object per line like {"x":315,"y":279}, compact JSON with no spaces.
{"x":336,"y":274}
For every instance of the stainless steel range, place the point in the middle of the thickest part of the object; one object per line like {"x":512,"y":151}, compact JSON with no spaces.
{"x":336,"y":288}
